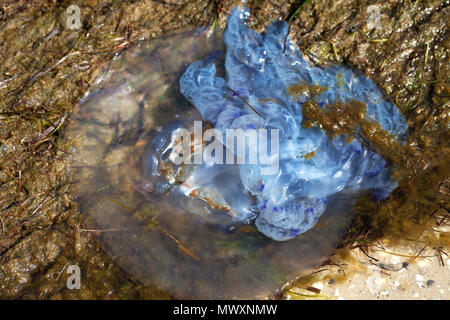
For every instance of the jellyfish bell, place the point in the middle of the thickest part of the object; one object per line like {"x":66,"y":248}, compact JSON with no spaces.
{"x":190,"y":229}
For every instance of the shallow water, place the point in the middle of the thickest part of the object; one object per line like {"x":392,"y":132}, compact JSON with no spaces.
{"x":154,"y":239}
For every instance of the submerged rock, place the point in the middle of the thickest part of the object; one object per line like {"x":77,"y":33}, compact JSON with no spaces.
{"x":268,"y":83}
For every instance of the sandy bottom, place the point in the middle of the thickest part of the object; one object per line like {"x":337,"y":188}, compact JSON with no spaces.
{"x":427,"y":279}
{"x":384,"y":271}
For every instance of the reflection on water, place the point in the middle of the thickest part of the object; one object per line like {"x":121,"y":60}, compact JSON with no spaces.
{"x":154,"y":239}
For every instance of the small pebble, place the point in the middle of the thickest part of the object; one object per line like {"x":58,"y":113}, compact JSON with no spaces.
{"x":419,"y":280}
{"x":379,"y":281}
{"x":423,"y":263}
{"x":318,"y":285}
{"x":385,"y":293}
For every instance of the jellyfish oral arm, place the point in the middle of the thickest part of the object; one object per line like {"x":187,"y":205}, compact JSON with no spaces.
{"x":269,"y":93}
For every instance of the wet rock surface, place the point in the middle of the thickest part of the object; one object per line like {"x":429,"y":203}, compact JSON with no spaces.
{"x":46,"y":68}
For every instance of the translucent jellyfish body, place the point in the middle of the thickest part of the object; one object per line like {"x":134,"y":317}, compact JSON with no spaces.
{"x":266,"y":84}
{"x":190,"y":229}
